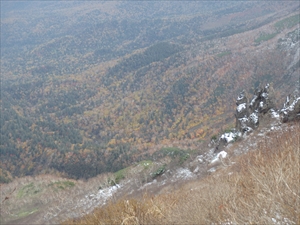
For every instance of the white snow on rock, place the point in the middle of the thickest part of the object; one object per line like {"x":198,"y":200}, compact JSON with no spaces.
{"x":90,"y":201}
{"x":183,"y":173}
{"x":253,"y":100}
{"x":247,"y":130}
{"x":173,"y":176}
{"x":211,"y":170}
{"x":287,"y":99}
{"x":84,"y":205}
{"x":196,"y":170}
{"x":274,"y":114}
{"x":221,"y":154}
{"x":229,"y":137}
{"x":240,"y":97}
{"x":265,"y":95}
{"x":291,"y":107}
{"x":254,"y":117}
{"x":244,"y":120}
{"x":241,"y":107}
{"x":261,"y":104}
{"x":267,"y":86}
{"x":200,"y":159}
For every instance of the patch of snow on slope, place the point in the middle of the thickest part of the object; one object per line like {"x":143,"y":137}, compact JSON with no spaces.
{"x":292,"y":106}
{"x":89,"y":202}
{"x":274,"y":114}
{"x":221,"y":154}
{"x":241,"y":107}
{"x":254,"y":117}
{"x":177,"y":175}
{"x":183,"y":173}
{"x":82,"y":206}
{"x":211,"y":170}
{"x":199,"y":158}
{"x":243,"y":120}
{"x":229,"y":137}
{"x":261,"y":104}
{"x":253,"y":100}
{"x":265,"y":95}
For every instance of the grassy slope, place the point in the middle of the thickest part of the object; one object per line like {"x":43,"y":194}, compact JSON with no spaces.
{"x":261,"y":187}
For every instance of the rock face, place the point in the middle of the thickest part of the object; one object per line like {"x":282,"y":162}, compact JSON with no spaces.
{"x":242,"y":112}
{"x":291,"y":109}
{"x":262,"y":101}
{"x":248,"y":115}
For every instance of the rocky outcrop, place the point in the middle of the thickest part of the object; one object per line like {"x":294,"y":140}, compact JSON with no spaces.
{"x":263,"y":100}
{"x":291,"y":109}
{"x":248,"y":114}
{"x":242,"y":111}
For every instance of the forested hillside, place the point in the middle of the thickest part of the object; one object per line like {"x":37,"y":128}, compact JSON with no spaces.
{"x":91,"y":87}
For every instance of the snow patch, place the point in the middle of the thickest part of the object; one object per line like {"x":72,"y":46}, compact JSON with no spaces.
{"x":229,"y":137}
{"x":199,"y":158}
{"x":217,"y":158}
{"x":261,"y":104}
{"x":292,"y":106}
{"x":183,"y":173}
{"x":265,"y":95}
{"x":253,"y":100}
{"x":247,"y":130}
{"x":211,"y":170}
{"x":241,"y":96}
{"x":241,"y":107}
{"x":196,"y":170}
{"x":243,"y":120}
{"x":254,"y":118}
{"x":274,"y":114}
{"x":100,"y":198}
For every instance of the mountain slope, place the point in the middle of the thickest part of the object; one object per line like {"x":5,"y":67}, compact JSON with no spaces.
{"x":259,"y":174}
{"x":93,"y":87}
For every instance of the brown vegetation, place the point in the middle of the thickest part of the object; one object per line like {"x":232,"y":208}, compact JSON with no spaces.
{"x":261,"y":187}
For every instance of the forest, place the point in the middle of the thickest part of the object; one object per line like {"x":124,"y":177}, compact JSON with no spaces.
{"x":87,"y":89}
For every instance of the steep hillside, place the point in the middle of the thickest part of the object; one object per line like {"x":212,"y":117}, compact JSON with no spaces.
{"x":260,"y":187}
{"x":91,"y":87}
{"x":258,"y":173}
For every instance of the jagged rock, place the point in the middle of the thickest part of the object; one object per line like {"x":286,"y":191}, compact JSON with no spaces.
{"x":220,"y":145}
{"x":242,"y":105}
{"x":248,"y":115}
{"x":242,"y":111}
{"x":225,"y":139}
{"x":241,"y":98}
{"x":263,"y":100}
{"x":291,"y":109}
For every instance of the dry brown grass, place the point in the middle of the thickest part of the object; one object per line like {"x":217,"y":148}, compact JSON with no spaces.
{"x":147,"y":210}
{"x":262,"y":187}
